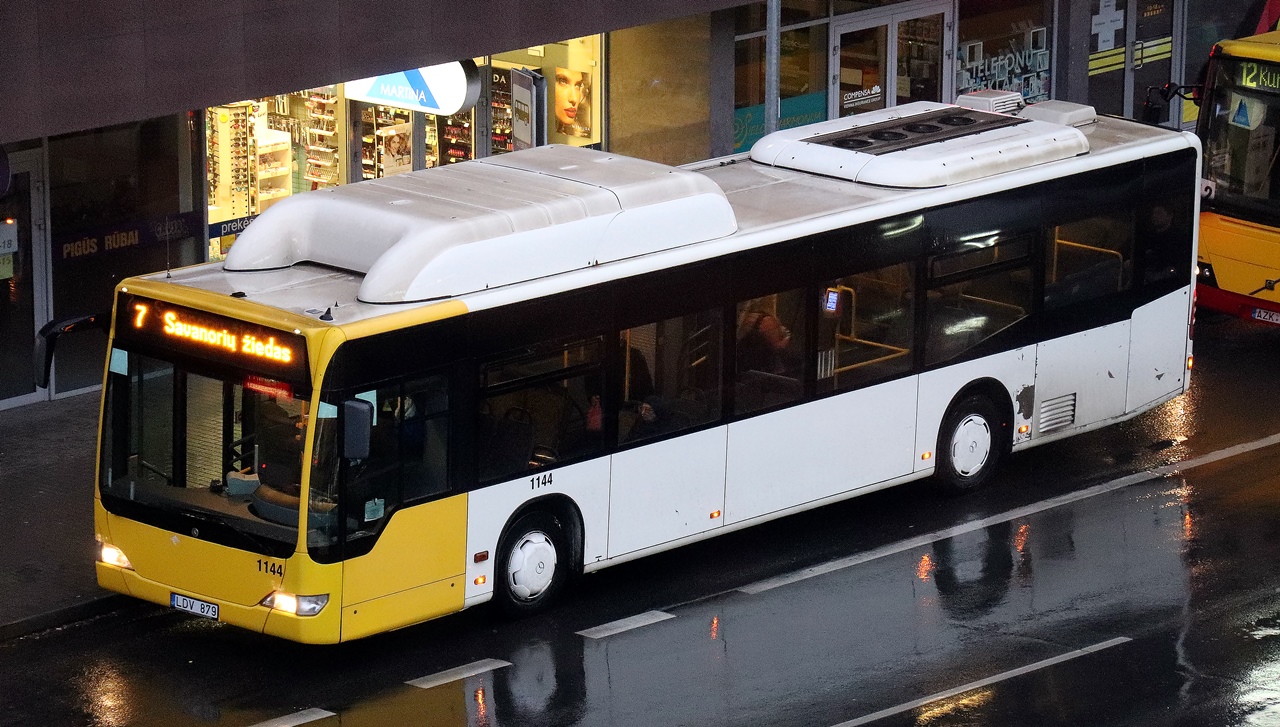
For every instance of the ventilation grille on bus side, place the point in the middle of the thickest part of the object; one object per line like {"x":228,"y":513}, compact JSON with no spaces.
{"x":1057,"y":413}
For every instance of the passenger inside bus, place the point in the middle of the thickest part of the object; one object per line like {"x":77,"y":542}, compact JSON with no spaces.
{"x":768,"y":358}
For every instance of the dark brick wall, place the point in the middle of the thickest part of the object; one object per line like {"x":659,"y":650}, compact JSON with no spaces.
{"x":68,"y":65}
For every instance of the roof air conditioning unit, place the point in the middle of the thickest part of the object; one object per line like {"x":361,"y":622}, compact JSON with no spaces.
{"x":1000,"y":102}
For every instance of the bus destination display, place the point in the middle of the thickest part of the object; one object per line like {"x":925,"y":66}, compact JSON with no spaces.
{"x":1259,"y":76}
{"x":211,"y":336}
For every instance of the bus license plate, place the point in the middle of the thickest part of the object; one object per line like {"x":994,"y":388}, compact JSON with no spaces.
{"x":1269,"y":316}
{"x":192,"y":605}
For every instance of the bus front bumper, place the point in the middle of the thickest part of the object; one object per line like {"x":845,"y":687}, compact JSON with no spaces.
{"x":1237,"y":304}
{"x":323,"y":628}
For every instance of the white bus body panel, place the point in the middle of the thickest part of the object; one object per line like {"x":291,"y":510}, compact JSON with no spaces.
{"x":820,"y":449}
{"x":1015,"y":369}
{"x":1158,"y":361}
{"x":1093,"y":366}
{"x":666,"y":491}
{"x":489,"y":509}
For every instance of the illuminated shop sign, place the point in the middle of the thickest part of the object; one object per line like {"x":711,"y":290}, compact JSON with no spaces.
{"x":442,"y":90}
{"x":210,"y":336}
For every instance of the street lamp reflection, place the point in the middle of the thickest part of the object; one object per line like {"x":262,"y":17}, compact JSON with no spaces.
{"x":105,"y":692}
{"x":482,"y":711}
{"x":945,"y":707}
{"x":924,"y":568}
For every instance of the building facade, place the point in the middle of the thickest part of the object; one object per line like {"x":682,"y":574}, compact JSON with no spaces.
{"x":111,"y":176}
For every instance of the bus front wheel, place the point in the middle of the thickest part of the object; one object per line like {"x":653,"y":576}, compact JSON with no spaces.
{"x":534,"y":562}
{"x":971,"y":443}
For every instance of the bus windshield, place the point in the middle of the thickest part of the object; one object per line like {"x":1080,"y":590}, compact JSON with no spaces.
{"x":186,"y":450}
{"x":1242,"y":116}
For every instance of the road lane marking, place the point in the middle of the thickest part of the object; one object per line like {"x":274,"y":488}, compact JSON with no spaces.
{"x":1221,"y":454}
{"x":297,"y":718}
{"x":929,"y":538}
{"x":625,"y":624}
{"x":461,"y":672}
{"x":908,"y":706}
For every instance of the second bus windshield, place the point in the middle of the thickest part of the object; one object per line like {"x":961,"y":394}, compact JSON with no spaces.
{"x":1240,"y":135}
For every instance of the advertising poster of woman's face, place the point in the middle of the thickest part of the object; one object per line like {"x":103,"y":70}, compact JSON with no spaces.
{"x":573,"y":102}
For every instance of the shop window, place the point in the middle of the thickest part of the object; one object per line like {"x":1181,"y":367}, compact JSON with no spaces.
{"x":752,"y":17}
{"x":670,"y":376}
{"x":574,"y":71}
{"x":1006,"y":47}
{"x":802,"y":82}
{"x":540,"y":406}
{"x":866,"y":327}
{"x":769,"y":351}
{"x":261,"y":151}
{"x":120,"y":205}
{"x":1089,"y":258}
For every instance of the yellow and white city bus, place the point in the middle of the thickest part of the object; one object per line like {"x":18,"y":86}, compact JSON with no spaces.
{"x":407,"y":396}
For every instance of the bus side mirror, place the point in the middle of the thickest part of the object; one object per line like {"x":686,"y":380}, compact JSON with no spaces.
{"x":47,"y":340}
{"x":357,"y":428}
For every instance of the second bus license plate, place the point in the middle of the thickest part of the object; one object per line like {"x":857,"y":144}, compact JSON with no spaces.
{"x":1269,"y":316}
{"x":194,"y":605}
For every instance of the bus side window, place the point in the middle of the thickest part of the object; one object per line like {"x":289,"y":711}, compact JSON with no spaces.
{"x":978,"y":304}
{"x":536,"y":407}
{"x":1089,"y":258}
{"x":373,"y":484}
{"x":424,"y":437}
{"x":769,"y":351}
{"x":866,"y":326}
{"x":670,"y":376}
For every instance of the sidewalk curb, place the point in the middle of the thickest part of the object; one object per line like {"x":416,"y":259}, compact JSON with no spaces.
{"x":63,"y":616}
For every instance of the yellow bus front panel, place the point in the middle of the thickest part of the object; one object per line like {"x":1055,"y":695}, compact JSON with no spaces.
{"x":1244,"y":255}
{"x":164,"y":563}
{"x":413,"y":573}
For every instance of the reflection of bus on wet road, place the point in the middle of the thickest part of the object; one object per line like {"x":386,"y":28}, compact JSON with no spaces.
{"x":403,"y":397}
{"x":1239,"y":256}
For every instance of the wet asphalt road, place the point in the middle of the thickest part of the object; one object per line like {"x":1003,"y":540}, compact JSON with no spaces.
{"x":1118,"y":578}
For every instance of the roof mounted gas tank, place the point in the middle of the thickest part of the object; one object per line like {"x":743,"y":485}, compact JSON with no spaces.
{"x":444,"y":232}
{"x":919,"y":145}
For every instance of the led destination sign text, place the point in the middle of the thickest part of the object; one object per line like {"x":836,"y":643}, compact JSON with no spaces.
{"x":211,"y":336}
{"x":247,"y":344}
{"x":1259,"y":76}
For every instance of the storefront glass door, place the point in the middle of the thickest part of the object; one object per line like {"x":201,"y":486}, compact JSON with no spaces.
{"x":23,"y":280}
{"x":1130,"y":50}
{"x":883,"y":59}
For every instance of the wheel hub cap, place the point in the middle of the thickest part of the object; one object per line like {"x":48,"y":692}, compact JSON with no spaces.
{"x":532,"y":566}
{"x":970,"y":445}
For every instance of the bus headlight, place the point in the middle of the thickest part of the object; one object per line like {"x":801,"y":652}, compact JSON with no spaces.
{"x":111,"y":555}
{"x":297,"y":605}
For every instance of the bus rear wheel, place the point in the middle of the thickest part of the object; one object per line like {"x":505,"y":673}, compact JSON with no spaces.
{"x":533,"y":564}
{"x":971,"y":442}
